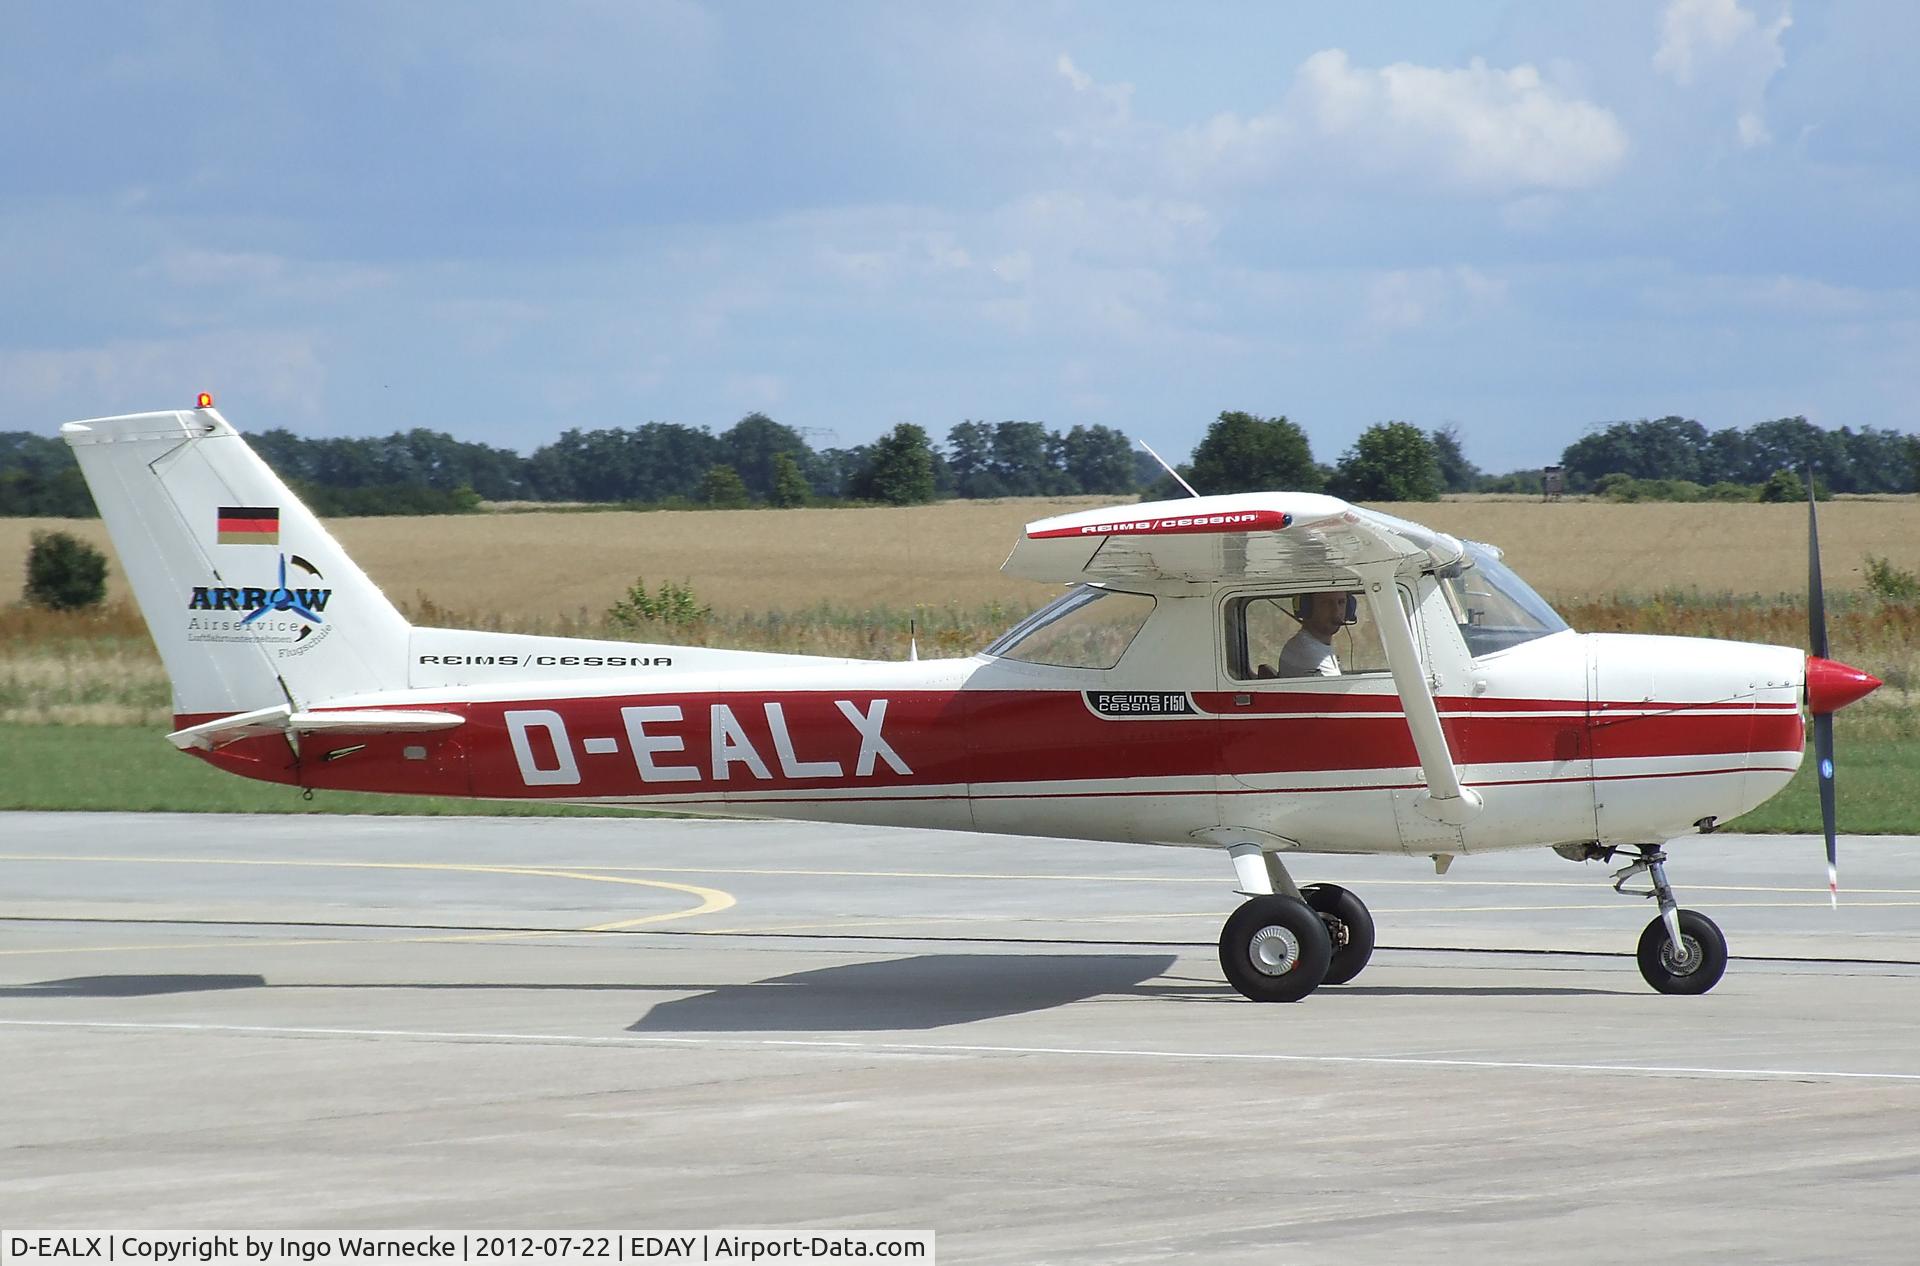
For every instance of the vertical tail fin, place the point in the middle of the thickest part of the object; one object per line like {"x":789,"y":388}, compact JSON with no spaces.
{"x":251,"y":602}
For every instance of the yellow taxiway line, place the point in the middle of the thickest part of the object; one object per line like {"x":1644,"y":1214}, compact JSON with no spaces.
{"x":711,"y":900}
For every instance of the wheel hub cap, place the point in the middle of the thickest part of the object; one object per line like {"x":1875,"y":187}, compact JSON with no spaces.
{"x":1275,"y":950}
{"x":1682,"y":960}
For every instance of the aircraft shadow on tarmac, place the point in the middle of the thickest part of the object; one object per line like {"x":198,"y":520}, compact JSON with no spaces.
{"x":926,"y":991}
{"x":128,"y":986}
{"x":930,"y":991}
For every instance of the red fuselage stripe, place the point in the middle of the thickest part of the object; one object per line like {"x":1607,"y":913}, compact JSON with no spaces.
{"x":708,"y":744}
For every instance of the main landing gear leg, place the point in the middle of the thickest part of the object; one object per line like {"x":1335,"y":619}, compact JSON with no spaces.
{"x":1285,"y":941}
{"x":1681,"y":951}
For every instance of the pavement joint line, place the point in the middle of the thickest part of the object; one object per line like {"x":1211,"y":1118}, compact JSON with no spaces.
{"x":778,"y":872}
{"x":1371,"y":881}
{"x":943,"y":1048}
{"x":501,"y":934}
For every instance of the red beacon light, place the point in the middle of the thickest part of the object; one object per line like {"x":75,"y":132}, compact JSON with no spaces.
{"x":205,"y":401}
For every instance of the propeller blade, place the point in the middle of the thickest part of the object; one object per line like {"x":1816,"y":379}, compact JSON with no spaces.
{"x":302,"y":612}
{"x":1822,"y":721}
{"x":1816,"y":592}
{"x":1823,"y":752}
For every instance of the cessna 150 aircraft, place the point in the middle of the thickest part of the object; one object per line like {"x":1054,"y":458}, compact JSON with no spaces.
{"x":1266,"y":674}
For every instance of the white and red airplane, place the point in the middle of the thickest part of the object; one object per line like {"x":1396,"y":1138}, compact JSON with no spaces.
{"x":1445,"y":709}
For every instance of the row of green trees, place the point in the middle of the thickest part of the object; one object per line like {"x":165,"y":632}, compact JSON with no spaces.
{"x":755,"y":461}
{"x":761,"y":461}
{"x":1391,"y":461}
{"x":1680,"y":449}
{"x":1668,"y":459}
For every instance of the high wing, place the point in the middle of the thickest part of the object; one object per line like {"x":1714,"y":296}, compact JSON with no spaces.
{"x":1256,"y":535}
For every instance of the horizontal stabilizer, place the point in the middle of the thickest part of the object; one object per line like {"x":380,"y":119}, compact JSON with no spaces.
{"x":283,"y":720}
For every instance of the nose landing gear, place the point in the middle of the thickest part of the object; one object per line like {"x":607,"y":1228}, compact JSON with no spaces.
{"x":1681,"y":951}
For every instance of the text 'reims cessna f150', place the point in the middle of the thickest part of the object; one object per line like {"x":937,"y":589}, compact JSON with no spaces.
{"x":1262,"y":674}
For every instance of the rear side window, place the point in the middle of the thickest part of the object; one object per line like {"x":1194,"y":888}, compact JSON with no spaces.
{"x":1084,"y":628}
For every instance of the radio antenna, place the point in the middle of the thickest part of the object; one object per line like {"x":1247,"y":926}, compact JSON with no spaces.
{"x":1170,"y":470}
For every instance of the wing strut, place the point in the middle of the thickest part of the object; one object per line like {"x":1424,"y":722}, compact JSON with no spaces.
{"x":1445,"y":800}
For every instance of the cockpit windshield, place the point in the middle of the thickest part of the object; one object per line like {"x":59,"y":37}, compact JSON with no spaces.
{"x":1086,"y":627}
{"x":1493,"y":606}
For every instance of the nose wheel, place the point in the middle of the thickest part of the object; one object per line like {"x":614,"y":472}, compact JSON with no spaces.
{"x":1681,"y":951}
{"x":1693,"y":964}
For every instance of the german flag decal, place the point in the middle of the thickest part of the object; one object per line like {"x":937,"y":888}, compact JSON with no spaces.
{"x":249,"y":525}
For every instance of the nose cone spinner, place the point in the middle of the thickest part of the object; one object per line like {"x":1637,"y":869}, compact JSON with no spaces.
{"x":1832,"y":685}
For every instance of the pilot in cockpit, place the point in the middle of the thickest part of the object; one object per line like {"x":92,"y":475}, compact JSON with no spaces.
{"x":1309,"y":652}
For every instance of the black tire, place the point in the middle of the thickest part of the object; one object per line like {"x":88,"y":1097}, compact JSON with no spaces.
{"x":1275,"y":949}
{"x":1707,"y":954}
{"x":1349,"y":927}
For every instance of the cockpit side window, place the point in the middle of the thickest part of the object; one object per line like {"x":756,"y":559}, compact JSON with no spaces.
{"x":1277,"y":635}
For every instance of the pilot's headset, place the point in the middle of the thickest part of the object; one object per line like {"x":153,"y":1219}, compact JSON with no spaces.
{"x":1352,"y":615}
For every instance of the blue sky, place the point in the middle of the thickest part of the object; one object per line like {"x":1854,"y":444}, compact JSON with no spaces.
{"x":502,"y":220}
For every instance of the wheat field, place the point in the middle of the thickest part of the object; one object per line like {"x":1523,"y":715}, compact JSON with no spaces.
{"x":846,"y":582}
{"x":548,"y":565}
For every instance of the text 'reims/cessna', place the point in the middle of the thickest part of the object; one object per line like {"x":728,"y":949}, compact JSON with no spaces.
{"x":1262,"y":675}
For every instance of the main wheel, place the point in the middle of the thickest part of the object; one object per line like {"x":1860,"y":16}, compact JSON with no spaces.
{"x":1275,"y":949}
{"x":1696,"y":967}
{"x":1349,"y":927}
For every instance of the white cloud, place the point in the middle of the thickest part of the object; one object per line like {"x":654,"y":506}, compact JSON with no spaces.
{"x":283,"y":370}
{"x":1475,"y":129}
{"x":1101,"y":118}
{"x":488,"y":326}
{"x":191,"y":267}
{"x":1693,"y":31}
{"x":1405,"y":299}
{"x":1372,"y":305}
{"x":1804,"y":300}
{"x":891,"y":255}
{"x":1080,"y":79}
{"x":1532,"y":213}
{"x":260,"y":275}
{"x":1720,"y":48}
{"x":1066,"y":223}
{"x":1013,"y":268}
{"x":755,"y":390}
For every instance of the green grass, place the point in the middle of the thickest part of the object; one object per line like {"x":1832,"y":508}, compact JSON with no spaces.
{"x":1876,"y":786}
{"x":132,"y":768}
